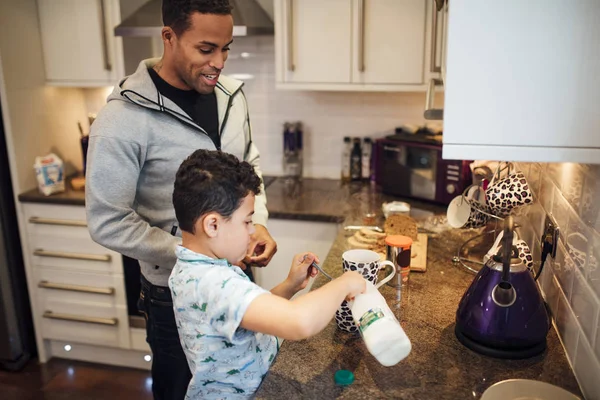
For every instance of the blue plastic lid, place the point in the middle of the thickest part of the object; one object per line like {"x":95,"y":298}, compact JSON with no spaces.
{"x":343,"y":377}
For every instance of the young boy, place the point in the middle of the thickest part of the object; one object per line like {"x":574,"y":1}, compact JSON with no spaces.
{"x":228,"y":326}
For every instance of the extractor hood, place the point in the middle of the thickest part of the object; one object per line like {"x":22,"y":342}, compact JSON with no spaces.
{"x":249,"y":19}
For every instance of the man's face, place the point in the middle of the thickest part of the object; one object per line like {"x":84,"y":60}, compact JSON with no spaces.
{"x":199,"y":53}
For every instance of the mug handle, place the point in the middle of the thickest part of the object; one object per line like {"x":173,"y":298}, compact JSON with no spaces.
{"x":386,"y":263}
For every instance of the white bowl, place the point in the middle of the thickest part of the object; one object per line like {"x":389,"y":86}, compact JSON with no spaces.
{"x":525,"y":389}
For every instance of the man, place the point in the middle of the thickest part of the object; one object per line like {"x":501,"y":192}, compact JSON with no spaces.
{"x":154,"y":119}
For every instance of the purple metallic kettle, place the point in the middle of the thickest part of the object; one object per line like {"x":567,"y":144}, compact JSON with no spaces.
{"x":502,"y":314}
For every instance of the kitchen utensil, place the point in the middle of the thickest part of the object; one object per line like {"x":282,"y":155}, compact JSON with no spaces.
{"x":502,"y":314}
{"x":316,"y":266}
{"x":507,"y":194}
{"x":368,"y":263}
{"x":526,"y":389}
{"x":359,"y":227}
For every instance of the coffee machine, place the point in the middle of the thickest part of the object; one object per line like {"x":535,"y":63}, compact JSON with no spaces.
{"x":502,"y":314}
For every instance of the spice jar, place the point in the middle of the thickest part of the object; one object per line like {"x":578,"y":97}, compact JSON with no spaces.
{"x":398,"y":252}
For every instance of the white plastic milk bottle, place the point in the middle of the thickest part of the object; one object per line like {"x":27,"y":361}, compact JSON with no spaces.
{"x":384,"y":337}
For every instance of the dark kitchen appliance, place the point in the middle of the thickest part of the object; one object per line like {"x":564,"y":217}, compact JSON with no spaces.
{"x":411,"y":165}
{"x":502,"y":314}
{"x":17,"y":343}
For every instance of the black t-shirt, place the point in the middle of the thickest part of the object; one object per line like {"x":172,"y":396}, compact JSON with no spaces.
{"x":202,"y":108}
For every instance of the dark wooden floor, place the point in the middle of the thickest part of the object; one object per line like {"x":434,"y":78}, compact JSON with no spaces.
{"x":70,"y":380}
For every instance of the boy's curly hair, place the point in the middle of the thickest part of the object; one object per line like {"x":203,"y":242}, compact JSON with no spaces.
{"x":211,"y":181}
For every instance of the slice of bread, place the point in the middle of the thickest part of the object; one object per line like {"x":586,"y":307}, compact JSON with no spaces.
{"x":400,"y":224}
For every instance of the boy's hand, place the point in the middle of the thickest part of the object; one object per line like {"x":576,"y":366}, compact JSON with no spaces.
{"x":301,"y":271}
{"x":355,"y":282}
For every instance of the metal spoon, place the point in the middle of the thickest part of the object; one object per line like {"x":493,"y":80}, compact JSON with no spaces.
{"x":316,"y":266}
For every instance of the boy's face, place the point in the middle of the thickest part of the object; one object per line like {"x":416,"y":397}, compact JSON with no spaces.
{"x":234,"y":234}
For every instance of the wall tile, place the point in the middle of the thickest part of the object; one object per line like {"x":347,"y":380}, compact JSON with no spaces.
{"x":568,"y":327}
{"x":593,"y":264}
{"x":554,"y":171}
{"x":590,"y":202}
{"x":546,"y":282}
{"x":546,"y":196}
{"x":572,"y":183}
{"x":526,"y":231}
{"x":534,"y":175}
{"x":586,"y":306}
{"x":597,"y":350}
{"x":537,"y":217}
{"x":575,"y":236}
{"x":587,"y":370}
{"x":560,"y":210}
{"x":564,"y":268}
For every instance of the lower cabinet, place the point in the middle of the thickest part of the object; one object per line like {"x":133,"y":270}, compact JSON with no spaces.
{"x":294,"y":237}
{"x":77,"y":291}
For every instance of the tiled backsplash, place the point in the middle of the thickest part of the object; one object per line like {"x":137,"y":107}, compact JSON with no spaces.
{"x":327,"y":116}
{"x":571,"y":281}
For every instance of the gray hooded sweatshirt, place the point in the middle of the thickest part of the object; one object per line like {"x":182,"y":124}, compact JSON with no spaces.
{"x":137,"y":143}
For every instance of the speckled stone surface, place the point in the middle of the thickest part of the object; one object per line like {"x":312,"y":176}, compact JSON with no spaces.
{"x":439,"y":367}
{"x":68,"y":197}
{"x":77,"y":197}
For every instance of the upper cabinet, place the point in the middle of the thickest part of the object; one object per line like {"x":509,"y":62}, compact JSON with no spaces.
{"x":357,"y":45}
{"x":78,"y":44}
{"x":522,"y":81}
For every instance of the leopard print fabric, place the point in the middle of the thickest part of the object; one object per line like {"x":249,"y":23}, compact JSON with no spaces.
{"x":508,"y":194}
{"x":343,"y":316}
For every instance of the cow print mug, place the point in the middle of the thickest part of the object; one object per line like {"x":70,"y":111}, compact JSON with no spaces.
{"x":368,"y":263}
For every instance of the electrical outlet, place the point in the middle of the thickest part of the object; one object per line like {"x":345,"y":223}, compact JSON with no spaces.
{"x":550,"y":234}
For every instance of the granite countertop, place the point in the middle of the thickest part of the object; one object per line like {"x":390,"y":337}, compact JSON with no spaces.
{"x":439,"y":367}
{"x":77,"y":197}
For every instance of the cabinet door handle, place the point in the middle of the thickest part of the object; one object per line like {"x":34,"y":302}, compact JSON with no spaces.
{"x":430,"y":112}
{"x":433,"y":67}
{"x":105,"y":55}
{"x":81,"y":318}
{"x":361,"y":36}
{"x":51,"y":221}
{"x":290,"y":36}
{"x":72,"y":256}
{"x":76,"y":288}
{"x":390,"y":148}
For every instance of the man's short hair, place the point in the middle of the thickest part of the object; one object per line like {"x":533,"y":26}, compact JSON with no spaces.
{"x":176,"y":13}
{"x":211,"y":181}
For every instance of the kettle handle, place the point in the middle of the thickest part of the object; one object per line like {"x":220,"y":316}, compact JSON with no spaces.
{"x":386,"y":263}
{"x":494,"y":249}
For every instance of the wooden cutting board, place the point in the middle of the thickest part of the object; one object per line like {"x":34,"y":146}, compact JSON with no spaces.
{"x":418,"y":253}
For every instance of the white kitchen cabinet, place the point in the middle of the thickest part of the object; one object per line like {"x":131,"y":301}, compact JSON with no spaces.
{"x":77,"y":291}
{"x":354,"y":45}
{"x":78,"y":42}
{"x":294,"y":237}
{"x":522,"y":81}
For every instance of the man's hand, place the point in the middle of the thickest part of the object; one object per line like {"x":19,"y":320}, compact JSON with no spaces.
{"x":262,"y":247}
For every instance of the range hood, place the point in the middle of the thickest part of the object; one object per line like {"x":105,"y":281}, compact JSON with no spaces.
{"x":249,"y":19}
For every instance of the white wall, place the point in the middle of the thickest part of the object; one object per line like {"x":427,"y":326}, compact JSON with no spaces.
{"x":38,"y":119}
{"x":327,"y":116}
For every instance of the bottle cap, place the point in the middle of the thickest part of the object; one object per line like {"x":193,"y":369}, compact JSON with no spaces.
{"x":343,"y":377}
{"x":403,"y":242}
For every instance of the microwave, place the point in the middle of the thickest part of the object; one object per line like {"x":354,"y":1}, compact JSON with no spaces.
{"x":407,"y":167}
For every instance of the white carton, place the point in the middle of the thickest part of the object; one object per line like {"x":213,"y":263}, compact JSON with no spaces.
{"x":49,"y":171}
